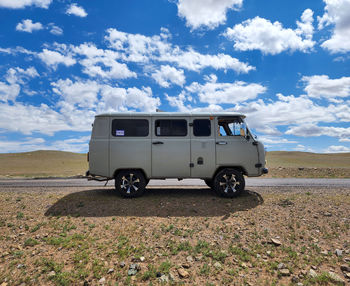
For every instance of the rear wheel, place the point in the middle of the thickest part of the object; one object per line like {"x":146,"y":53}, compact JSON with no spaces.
{"x":229,"y":183}
{"x":130,"y":183}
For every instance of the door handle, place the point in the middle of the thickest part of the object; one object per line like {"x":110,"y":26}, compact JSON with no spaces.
{"x":221,"y":143}
{"x":157,"y":143}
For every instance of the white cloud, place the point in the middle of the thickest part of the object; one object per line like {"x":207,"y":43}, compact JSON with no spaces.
{"x":19,"y":4}
{"x":53,"y":58}
{"x":55,"y":30}
{"x":308,"y":130}
{"x":336,"y":14}
{"x":28,"y":26}
{"x":76,"y":10}
{"x":168,"y":75}
{"x":15,"y":77}
{"x":142,"y":49}
{"x":272,"y":38}
{"x":213,"y":92}
{"x":318,"y":86}
{"x":337,"y":149}
{"x":103,"y":63}
{"x":276,"y":140}
{"x":206,"y":13}
{"x":79,"y":145}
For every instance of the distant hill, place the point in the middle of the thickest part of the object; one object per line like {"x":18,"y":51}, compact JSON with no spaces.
{"x":43,"y":164}
{"x":66,"y":164}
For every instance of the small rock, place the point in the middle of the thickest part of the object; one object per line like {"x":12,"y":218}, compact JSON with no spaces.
{"x":300,"y":284}
{"x":276,"y":241}
{"x":189,"y":259}
{"x":186,"y":265}
{"x":132,"y":272}
{"x":285,"y":272}
{"x":142,"y":258}
{"x":258,"y":256}
{"x":244,"y":265}
{"x":110,"y":270}
{"x":327,"y":214}
{"x":345,"y":268}
{"x":164,"y":279}
{"x":133,"y":269}
{"x":19,"y":266}
{"x":183,"y":273}
{"x":324,"y":252}
{"x":51,"y":274}
{"x":102,"y":280}
{"x":338,"y":252}
{"x":347,"y":275}
{"x":217,"y":265}
{"x":171,"y":276}
{"x":122,"y":264}
{"x":268,"y":252}
{"x":335,"y":278}
{"x":312,"y":273}
{"x":313,"y":267}
{"x":295,"y":279}
{"x":281,"y":266}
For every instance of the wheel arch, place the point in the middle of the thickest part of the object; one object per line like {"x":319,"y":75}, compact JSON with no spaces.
{"x":238,"y":168}
{"x":127,"y":169}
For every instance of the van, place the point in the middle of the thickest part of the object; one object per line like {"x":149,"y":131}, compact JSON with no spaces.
{"x":133,"y":148}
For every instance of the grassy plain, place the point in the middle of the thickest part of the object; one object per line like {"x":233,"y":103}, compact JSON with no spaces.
{"x":66,"y":164}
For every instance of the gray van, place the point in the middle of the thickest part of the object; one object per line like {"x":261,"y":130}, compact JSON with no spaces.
{"x":133,"y":148}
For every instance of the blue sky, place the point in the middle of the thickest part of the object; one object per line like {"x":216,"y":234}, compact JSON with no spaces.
{"x":285,"y":64}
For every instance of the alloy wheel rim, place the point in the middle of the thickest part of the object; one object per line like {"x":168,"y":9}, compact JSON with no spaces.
{"x":130,"y":183}
{"x":229,"y":183}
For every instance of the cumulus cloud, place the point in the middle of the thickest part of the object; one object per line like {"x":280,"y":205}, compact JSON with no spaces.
{"x":15,"y":77}
{"x":213,"y":92}
{"x":336,"y":14}
{"x":55,"y":30}
{"x":54,"y":58}
{"x":307,"y":130}
{"x":168,"y":75}
{"x":337,"y":149}
{"x":102,"y":63}
{"x":318,"y":86}
{"x":28,"y":26}
{"x":142,"y":49}
{"x":272,"y":38}
{"x":207,"y":13}
{"x":19,"y":4}
{"x":76,"y":10}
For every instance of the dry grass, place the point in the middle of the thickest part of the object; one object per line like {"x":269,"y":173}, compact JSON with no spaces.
{"x":66,"y":164}
{"x":75,"y":236}
{"x":42,"y":164}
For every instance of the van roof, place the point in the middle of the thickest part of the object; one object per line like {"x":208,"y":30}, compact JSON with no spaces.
{"x":169,"y":114}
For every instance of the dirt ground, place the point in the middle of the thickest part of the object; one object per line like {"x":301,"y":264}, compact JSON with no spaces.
{"x":187,"y":236}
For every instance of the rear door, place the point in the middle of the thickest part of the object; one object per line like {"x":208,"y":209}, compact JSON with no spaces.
{"x":170,"y":147}
{"x":130,"y":144}
{"x":203,"y":147}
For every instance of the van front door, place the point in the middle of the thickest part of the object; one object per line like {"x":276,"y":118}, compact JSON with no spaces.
{"x":233,"y":147}
{"x":171,"y":147}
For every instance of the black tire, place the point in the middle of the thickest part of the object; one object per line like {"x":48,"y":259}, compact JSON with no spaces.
{"x":229,"y":183}
{"x":127,"y":190}
{"x":209,"y":183}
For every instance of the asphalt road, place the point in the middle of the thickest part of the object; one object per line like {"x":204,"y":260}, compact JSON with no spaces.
{"x":250,"y":182}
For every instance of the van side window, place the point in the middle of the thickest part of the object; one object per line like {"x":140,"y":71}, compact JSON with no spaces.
{"x":130,"y":127}
{"x":201,"y":127}
{"x":232,"y":127}
{"x":171,"y":127}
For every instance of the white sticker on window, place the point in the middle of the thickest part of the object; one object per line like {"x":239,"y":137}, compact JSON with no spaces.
{"x":119,"y":133}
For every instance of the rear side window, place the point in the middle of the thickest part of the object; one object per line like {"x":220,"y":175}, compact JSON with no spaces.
{"x":130,"y":127}
{"x":171,"y":127}
{"x":201,"y":127}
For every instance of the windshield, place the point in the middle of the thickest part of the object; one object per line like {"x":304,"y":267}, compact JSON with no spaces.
{"x":234,"y":126}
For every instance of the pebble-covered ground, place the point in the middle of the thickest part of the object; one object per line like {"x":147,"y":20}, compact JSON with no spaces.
{"x":86,"y":236}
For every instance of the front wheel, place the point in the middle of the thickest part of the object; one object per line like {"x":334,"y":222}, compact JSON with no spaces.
{"x":229,"y":183}
{"x":130,"y":183}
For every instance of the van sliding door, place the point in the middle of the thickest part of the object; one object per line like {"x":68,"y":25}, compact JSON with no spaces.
{"x":171,"y":147}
